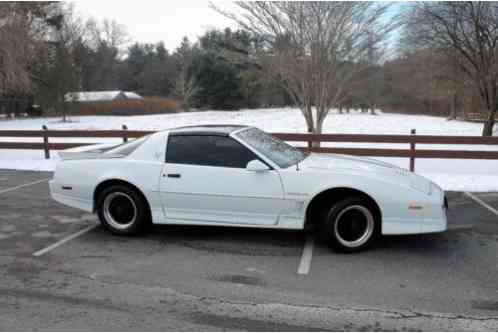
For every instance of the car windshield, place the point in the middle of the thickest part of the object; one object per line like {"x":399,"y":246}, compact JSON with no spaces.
{"x":283,"y":154}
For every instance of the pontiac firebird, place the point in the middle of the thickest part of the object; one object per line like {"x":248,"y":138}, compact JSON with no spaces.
{"x":229,"y":175}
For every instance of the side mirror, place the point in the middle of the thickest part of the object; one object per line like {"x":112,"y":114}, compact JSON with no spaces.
{"x":257,"y":166}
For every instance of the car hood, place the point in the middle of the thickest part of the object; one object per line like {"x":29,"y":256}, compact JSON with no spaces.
{"x":345,"y":162}
{"x":354,"y":165}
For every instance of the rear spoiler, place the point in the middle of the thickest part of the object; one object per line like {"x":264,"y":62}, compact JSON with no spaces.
{"x":89,"y":152}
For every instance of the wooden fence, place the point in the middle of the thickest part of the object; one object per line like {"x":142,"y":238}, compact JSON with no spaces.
{"x":412,"y":152}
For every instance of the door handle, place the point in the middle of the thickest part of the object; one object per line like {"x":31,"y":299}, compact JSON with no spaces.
{"x":174,"y":175}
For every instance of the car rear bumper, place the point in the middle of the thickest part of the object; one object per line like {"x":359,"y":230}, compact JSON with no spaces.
{"x":64,"y":196}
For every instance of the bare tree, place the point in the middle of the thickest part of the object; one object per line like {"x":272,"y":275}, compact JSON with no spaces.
{"x":185,"y":88}
{"x":186,"y":84}
{"x":22,"y":31}
{"x":314,"y":48}
{"x":370,"y":84}
{"x":105,"y":41}
{"x":470,"y":29}
{"x":56,"y":72}
{"x":108,"y":33}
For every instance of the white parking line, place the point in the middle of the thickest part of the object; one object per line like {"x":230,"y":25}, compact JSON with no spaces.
{"x":24,"y":185}
{"x":64,"y":240}
{"x":305,"y":264}
{"x":482,"y":203}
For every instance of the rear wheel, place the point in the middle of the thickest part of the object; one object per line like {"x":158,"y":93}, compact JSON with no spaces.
{"x":349,"y":225}
{"x":122,"y":210}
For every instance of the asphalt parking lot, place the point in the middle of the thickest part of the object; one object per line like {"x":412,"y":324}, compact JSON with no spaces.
{"x":61,"y":271}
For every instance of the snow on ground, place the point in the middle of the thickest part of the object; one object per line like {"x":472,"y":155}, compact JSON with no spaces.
{"x":471,"y":175}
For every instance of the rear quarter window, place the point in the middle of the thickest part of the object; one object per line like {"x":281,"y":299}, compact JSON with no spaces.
{"x":127,"y":148}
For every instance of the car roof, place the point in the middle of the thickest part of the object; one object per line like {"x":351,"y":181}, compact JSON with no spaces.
{"x":223,"y":130}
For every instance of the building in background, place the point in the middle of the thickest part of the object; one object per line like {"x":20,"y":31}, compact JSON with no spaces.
{"x":100,"y":96}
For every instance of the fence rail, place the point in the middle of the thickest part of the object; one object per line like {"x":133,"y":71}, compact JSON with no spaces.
{"x":412,"y":140}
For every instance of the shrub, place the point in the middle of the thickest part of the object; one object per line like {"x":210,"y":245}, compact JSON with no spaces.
{"x":125,"y":107}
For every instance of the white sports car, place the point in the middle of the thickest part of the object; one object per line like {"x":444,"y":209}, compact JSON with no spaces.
{"x":224,"y":175}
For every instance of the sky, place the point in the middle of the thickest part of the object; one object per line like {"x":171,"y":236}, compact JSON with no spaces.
{"x":149,"y":21}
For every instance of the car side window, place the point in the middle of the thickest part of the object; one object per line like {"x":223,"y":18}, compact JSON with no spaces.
{"x":208,"y":150}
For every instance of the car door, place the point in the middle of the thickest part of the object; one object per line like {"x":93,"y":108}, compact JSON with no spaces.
{"x":205,"y":180}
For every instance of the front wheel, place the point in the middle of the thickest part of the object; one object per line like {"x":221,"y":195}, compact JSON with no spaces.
{"x":349,"y":225}
{"x":122,"y":211}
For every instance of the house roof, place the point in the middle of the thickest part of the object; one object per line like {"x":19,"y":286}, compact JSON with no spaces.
{"x":132,"y":95}
{"x":95,"y":96}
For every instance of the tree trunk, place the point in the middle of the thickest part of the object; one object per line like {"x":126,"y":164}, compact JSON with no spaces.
{"x":454,"y":103}
{"x":489,"y":123}
{"x":372,"y":110}
{"x":61,"y":108}
{"x":64,"y":113}
{"x":186,"y":106}
{"x":318,"y":128}
{"x":487,"y":130}
{"x":308,"y":116}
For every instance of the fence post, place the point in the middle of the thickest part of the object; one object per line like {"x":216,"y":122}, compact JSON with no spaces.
{"x":125,"y":136}
{"x":412,"y":151}
{"x":45,"y":142}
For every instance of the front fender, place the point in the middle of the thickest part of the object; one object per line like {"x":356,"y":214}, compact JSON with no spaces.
{"x":393,"y":199}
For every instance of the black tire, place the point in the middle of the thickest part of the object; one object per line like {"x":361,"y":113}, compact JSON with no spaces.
{"x":122,"y":210}
{"x":349,"y":225}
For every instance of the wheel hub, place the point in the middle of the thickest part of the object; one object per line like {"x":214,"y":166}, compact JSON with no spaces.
{"x":120,"y":210}
{"x":354,"y":226}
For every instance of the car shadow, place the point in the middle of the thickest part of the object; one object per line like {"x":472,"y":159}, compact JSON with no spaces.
{"x":423,"y":244}
{"x":244,"y":241}
{"x":272,"y":242}
{"x":400,"y":245}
